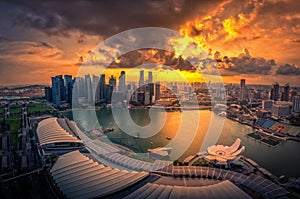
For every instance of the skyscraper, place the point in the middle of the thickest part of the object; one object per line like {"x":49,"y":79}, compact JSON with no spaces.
{"x":141,"y":81}
{"x":275,"y":92}
{"x":108,"y":93}
{"x":85,"y":86}
{"x":151,"y":90}
{"x":55,"y":91}
{"x":285,"y":93}
{"x":68,"y":83}
{"x":157,"y":91}
{"x":74,"y":100}
{"x":243,"y":90}
{"x":150,"y":80}
{"x":70,"y":94}
{"x":95,"y":89}
{"x":58,"y":90}
{"x":112,"y":82}
{"x":88,"y":86}
{"x":147,"y":98}
{"x":48,"y":94}
{"x":122,"y":87}
{"x":102,"y":87}
{"x":81,"y":86}
{"x":62,"y":88}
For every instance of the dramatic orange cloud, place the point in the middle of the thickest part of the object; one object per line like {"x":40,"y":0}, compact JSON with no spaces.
{"x":60,"y":41}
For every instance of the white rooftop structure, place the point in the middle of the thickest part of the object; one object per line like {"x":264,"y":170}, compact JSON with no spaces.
{"x":161,"y":152}
{"x":222,"y":154}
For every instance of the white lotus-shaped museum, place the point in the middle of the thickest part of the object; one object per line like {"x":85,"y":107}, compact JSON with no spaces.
{"x":222,"y":154}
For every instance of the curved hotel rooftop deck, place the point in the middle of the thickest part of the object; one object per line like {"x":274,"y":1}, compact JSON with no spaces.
{"x":224,"y":189}
{"x":78,"y":176}
{"x":57,"y":133}
{"x":257,"y":184}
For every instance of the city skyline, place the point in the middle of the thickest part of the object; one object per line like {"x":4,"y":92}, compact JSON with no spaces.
{"x":144,"y":91}
{"x":133,"y":76}
{"x":149,"y":99}
{"x":245,"y":41}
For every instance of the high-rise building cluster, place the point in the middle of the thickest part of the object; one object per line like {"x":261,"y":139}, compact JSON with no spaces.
{"x":146,"y":93}
{"x":276,"y":93}
{"x":287,"y":104}
{"x":278,"y":102}
{"x":94,"y":90}
{"x":60,"y":90}
{"x":89,"y":89}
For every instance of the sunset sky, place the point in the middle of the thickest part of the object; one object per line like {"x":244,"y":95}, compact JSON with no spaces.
{"x":258,"y":40}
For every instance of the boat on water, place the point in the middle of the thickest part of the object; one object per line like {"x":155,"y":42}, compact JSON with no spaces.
{"x":108,"y":130}
{"x":222,"y":114}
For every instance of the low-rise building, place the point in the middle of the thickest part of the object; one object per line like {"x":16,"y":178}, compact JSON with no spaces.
{"x":267,"y":105}
{"x":296,"y":104}
{"x":281,"y":110}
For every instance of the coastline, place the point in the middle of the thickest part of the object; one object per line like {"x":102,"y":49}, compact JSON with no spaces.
{"x":269,"y":152}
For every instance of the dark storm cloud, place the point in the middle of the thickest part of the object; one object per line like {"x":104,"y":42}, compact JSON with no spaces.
{"x":106,"y":17}
{"x":15,"y":50}
{"x":288,"y":69}
{"x":146,"y":56}
{"x":244,"y":64}
{"x":48,"y":22}
{"x":251,"y":65}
